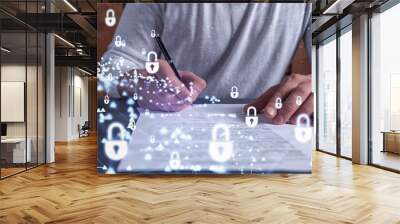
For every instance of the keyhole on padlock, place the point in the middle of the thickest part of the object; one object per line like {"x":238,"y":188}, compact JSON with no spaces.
{"x":116,"y":148}
{"x":152,"y":67}
{"x":221,"y":150}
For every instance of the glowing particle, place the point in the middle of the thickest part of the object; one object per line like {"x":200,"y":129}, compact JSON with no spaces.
{"x":148,"y":157}
{"x":163,"y":131}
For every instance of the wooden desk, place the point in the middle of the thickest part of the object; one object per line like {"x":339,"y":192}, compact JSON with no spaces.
{"x":15,"y":148}
{"x":391,"y":141}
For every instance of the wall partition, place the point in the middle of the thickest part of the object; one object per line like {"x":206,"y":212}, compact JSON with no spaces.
{"x":22,"y":77}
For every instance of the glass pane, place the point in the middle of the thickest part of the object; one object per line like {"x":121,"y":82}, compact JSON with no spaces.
{"x":385,"y":86}
{"x":327,"y":96}
{"x":346,"y":93}
{"x":13,"y":86}
{"x":41,"y":99}
{"x":31,"y":98}
{"x":32,"y":87}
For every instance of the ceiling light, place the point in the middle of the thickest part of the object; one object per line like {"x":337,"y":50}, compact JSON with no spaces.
{"x":70,"y":5}
{"x":64,"y":40}
{"x":337,"y":7}
{"x":5,"y":50}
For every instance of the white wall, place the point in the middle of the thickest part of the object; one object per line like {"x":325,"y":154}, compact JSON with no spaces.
{"x":81,"y":84}
{"x":16,"y":73}
{"x":33,"y":127}
{"x":71,"y":102}
{"x":61,"y":103}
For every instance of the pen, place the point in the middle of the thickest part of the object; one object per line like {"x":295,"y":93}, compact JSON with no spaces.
{"x":166,"y":55}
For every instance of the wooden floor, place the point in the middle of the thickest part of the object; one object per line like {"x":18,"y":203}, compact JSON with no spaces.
{"x":386,"y":159}
{"x":70,"y":191}
{"x":5,"y":172}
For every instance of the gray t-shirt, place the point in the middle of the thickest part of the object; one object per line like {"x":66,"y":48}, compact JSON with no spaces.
{"x":248,"y":45}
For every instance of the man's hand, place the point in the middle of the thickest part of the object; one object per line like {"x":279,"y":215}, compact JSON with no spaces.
{"x":162,"y":91}
{"x":288,"y":90}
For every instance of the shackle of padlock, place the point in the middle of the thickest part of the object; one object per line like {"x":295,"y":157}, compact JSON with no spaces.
{"x":175,"y":156}
{"x":153,"y":33}
{"x":299,"y":120}
{"x":132,"y":124}
{"x":175,"y":161}
{"x":222,"y":127}
{"x":115,"y":126}
{"x":110,"y":14}
{"x":299,"y":100}
{"x":106,"y":99}
{"x":234,"y":89}
{"x":278,"y":103}
{"x":150,"y":54}
{"x":152,"y":139}
{"x":252,"y":108}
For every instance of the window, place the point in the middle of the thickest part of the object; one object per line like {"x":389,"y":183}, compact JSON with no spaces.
{"x":385,"y":89}
{"x":22,"y":77}
{"x":327,"y":96}
{"x":346,"y":92}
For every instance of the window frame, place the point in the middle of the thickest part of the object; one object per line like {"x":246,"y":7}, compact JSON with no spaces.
{"x":378,"y":10}
{"x":333,"y":37}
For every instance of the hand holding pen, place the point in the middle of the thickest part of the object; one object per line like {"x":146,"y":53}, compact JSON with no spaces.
{"x":172,"y":91}
{"x":166,"y":55}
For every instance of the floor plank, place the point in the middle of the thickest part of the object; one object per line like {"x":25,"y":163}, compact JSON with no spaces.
{"x":70,"y":191}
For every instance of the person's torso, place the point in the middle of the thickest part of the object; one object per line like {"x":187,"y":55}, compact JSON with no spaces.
{"x":245,"y":45}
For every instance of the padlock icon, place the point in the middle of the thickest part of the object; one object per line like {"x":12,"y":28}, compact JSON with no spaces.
{"x":299,"y":100}
{"x":220,"y":150}
{"x":278,"y":103}
{"x":153,"y":33}
{"x":106,"y":99}
{"x":135,"y":79}
{"x":234,"y":92}
{"x":110,"y":19}
{"x":135,"y":96}
{"x":116,"y":149}
{"x":303,"y":130}
{"x":119,"y":42}
{"x":152,"y":139}
{"x":132,"y":125}
{"x":152,"y":66}
{"x":251,"y":118}
{"x":174,"y":161}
